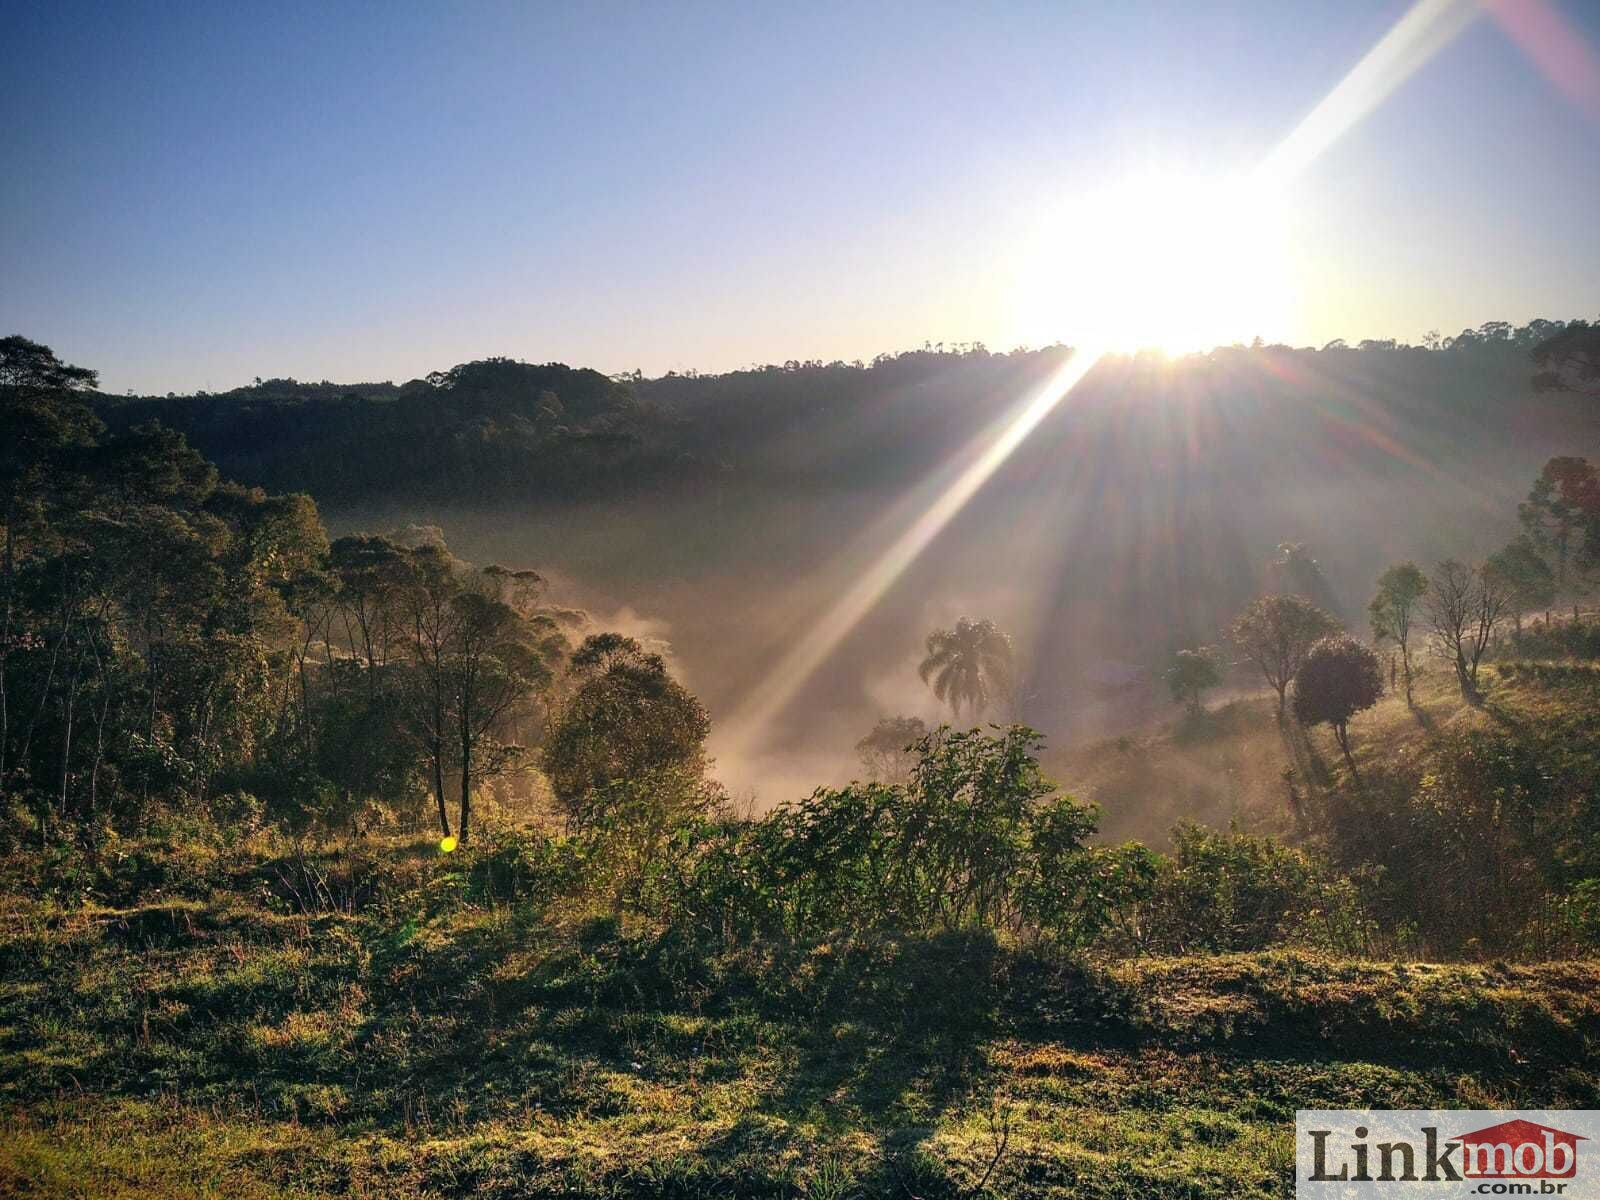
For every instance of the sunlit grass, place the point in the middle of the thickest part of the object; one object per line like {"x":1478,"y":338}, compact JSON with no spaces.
{"x":501,"y":1058}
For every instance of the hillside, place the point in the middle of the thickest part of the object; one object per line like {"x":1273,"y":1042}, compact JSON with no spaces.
{"x":1236,"y":763}
{"x":723,"y":514}
{"x":438,"y":1047}
{"x":202,"y":1010}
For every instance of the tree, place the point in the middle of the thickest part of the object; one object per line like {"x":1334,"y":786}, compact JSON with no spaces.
{"x":1276,"y":633}
{"x":1562,"y":513}
{"x":1532,"y":583}
{"x":1299,"y":574}
{"x":477,"y":653}
{"x":1395,"y":611}
{"x":370,"y":573}
{"x":1569,"y":361}
{"x":429,"y":617}
{"x":1191,"y":675}
{"x":1339,"y":678}
{"x":41,"y":415}
{"x":1464,"y":606}
{"x":968,"y":666}
{"x":495,"y":664}
{"x":627,"y":719}
{"x":889,"y":752}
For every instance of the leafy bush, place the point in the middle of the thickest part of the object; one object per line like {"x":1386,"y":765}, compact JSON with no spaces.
{"x":1232,"y":891}
{"x":510,"y":866}
{"x":1557,"y":639}
{"x":1078,"y":895}
{"x":973,"y":841}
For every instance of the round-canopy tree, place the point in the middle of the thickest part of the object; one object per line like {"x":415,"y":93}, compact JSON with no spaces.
{"x":1191,"y":675}
{"x":627,"y":720}
{"x":1339,"y":678}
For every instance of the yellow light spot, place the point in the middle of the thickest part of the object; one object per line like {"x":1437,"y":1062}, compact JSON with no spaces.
{"x":447,"y":844}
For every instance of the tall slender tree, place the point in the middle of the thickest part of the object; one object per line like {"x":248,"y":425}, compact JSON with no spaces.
{"x":1395,"y":611}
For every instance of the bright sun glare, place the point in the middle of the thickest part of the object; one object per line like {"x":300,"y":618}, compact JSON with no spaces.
{"x":1160,"y":262}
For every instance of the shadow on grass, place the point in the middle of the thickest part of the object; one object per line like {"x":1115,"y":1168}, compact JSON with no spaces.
{"x":885,"y":1034}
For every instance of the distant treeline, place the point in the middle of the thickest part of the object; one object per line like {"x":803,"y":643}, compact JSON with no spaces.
{"x":498,"y":429}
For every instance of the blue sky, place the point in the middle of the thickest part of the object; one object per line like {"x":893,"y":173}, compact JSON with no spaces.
{"x":197,"y":194}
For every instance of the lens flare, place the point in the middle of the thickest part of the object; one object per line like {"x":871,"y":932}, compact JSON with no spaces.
{"x":1422,"y":32}
{"x":1427,"y":28}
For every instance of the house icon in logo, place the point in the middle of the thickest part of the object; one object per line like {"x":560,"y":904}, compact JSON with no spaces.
{"x":1519,"y":1149}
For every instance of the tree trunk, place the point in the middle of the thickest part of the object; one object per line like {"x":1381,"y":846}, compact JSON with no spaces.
{"x":466,"y":785}
{"x":5,"y":635}
{"x":438,"y":786}
{"x":66,"y":741}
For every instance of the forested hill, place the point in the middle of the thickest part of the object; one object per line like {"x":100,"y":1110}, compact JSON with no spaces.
{"x":498,"y":430}
{"x":725,"y":512}
{"x":482,"y":431}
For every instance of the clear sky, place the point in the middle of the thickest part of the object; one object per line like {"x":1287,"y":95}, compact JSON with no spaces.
{"x":193,"y":195}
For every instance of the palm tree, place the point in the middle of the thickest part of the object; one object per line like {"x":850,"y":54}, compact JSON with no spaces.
{"x":969,"y":665}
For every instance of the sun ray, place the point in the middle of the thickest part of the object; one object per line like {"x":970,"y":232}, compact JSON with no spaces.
{"x":799,"y":664}
{"x":1426,"y":28}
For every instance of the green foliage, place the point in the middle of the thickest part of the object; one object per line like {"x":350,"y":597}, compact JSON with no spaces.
{"x":1077,"y":895}
{"x":969,"y":666}
{"x":1482,"y":847}
{"x":1339,"y":678}
{"x":1577,"y":640}
{"x":1191,"y":674}
{"x":626,"y":720}
{"x":1523,"y":567}
{"x":511,"y":866}
{"x":1233,"y":891}
{"x":974,"y":839}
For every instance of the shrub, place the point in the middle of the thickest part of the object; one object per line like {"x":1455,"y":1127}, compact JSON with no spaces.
{"x":974,"y":840}
{"x":1559,"y":639}
{"x":1234,"y":891}
{"x":510,"y":866}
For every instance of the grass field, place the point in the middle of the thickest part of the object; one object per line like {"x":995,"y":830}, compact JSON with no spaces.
{"x":219,"y":1048}
{"x":237,"y":1021}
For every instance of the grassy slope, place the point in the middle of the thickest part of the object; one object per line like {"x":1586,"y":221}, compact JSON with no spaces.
{"x":197,"y":1049}
{"x":1230,"y":764}
{"x":211,"y":1041}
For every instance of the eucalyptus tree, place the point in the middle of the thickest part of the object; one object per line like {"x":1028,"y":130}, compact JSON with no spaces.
{"x":1395,"y":611}
{"x":42,"y":414}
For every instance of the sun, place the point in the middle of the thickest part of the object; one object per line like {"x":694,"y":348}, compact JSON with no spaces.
{"x":1159,"y":262}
